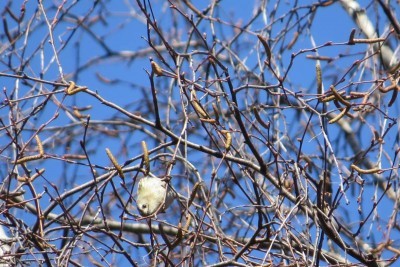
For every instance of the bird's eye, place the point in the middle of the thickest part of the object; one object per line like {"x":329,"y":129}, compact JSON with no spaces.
{"x":144,"y":206}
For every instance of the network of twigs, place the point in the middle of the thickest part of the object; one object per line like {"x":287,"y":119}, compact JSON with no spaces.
{"x":282,"y":150}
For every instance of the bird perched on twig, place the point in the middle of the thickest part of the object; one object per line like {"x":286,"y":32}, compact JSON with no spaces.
{"x":153,"y":196}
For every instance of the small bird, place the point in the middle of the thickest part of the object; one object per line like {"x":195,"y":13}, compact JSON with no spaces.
{"x":156,"y":68}
{"x":153,"y":195}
